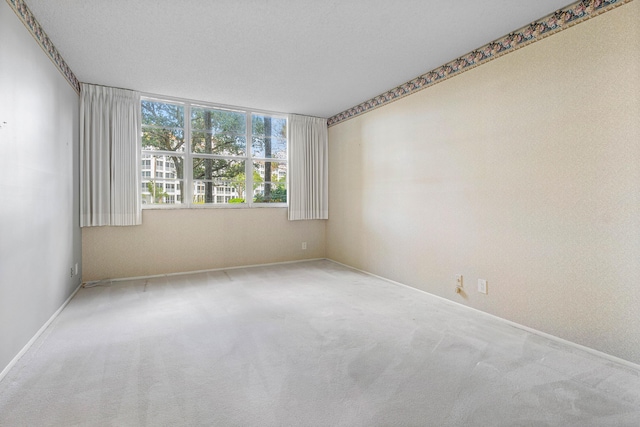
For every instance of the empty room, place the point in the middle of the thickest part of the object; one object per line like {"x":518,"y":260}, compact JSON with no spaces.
{"x":320,"y":213}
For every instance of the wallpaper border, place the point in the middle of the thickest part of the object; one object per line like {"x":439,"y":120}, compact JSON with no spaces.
{"x":36,"y":30}
{"x":553,"y":23}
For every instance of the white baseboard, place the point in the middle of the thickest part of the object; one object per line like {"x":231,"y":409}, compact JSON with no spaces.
{"x":11,"y":364}
{"x":577,"y":346}
{"x":89,"y":283}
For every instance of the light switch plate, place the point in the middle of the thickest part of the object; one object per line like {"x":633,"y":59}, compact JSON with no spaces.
{"x":482,"y":286}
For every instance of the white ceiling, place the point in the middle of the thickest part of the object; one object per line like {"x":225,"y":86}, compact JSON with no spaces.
{"x":310,"y":57}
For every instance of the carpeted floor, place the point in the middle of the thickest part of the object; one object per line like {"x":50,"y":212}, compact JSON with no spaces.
{"x":306,"y":344}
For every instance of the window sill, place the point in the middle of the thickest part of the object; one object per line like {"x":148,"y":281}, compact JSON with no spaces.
{"x":217,"y":206}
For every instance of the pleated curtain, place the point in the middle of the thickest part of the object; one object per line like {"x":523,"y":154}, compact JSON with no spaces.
{"x":110,"y":125}
{"x":308,"y":168}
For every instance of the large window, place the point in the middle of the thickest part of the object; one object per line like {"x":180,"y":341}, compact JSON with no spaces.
{"x":207,"y":151}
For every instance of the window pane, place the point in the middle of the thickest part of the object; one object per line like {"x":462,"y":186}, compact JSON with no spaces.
{"x":162,"y":139}
{"x":266,"y":125}
{"x":269,"y":148}
{"x":223,"y":144}
{"x":273,"y":189}
{"x":269,"y":137}
{"x":163,"y":179}
{"x":218,"y":177}
{"x":162,"y":114}
{"x":270,"y":193}
{"x":218,"y":121}
{"x":162,"y":192}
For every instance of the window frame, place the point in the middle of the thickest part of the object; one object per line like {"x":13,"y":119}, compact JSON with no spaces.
{"x":188,"y":155}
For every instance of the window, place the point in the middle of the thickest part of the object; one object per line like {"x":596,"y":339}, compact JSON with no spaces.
{"x":163,"y":141}
{"x":269,"y":147}
{"x":208,"y":150}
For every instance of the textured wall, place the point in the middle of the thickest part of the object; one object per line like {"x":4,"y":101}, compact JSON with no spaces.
{"x":181,"y":240}
{"x":39,"y":223}
{"x":523,"y":171}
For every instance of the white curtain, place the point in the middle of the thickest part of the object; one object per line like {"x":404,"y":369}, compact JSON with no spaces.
{"x":308,"y":168}
{"x":109,"y":156}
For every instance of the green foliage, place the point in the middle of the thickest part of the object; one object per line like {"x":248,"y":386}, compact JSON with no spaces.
{"x":216,"y":168}
{"x":218,"y":132}
{"x":162,"y":126}
{"x":279,"y":194}
{"x":157,"y":193}
{"x":161,"y":114}
{"x":257,"y":179}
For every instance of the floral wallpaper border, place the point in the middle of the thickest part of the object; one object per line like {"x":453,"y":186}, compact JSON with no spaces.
{"x":41,"y":37}
{"x":550,"y":24}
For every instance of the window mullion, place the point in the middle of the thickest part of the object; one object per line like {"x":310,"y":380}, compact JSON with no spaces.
{"x":187,"y":197}
{"x":248,"y":164}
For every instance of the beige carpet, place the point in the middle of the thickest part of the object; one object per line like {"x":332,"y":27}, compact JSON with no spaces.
{"x":306,"y":344}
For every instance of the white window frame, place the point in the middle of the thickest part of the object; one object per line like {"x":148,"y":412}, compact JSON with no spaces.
{"x":248,"y":158}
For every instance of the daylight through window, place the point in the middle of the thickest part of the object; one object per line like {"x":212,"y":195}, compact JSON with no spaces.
{"x":203,"y":155}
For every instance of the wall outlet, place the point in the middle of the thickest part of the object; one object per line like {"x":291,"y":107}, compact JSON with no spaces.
{"x":75,"y":270}
{"x":458,"y":283}
{"x":304,"y":246}
{"x":482,"y":286}
{"x":71,"y":275}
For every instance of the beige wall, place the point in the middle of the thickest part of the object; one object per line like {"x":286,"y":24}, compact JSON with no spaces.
{"x":524,"y":171}
{"x":182,"y":240}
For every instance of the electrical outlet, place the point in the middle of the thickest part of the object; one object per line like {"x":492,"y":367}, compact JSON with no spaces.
{"x":75,"y":270}
{"x":71,"y":272}
{"x":482,"y":286}
{"x":304,"y":246}
{"x":458,"y":283}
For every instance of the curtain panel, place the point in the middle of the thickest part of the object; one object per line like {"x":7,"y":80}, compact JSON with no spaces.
{"x":110,"y":126}
{"x":308,"y":168}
